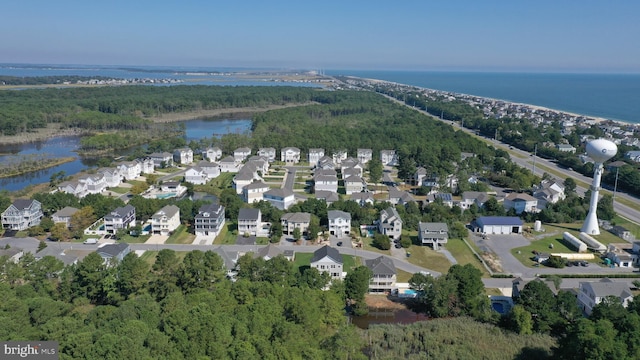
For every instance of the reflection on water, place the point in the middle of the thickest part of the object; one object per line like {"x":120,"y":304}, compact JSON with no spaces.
{"x":387,"y":317}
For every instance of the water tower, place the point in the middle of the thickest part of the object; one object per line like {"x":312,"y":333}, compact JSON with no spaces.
{"x":599,"y":150}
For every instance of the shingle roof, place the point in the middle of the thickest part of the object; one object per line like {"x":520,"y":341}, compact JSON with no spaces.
{"x":327,"y":251}
{"x":66,"y":211}
{"x":22,"y":204}
{"x":248,"y":214}
{"x":269,"y":251}
{"x":381,"y":265}
{"x":499,"y":220}
{"x":168,"y":211}
{"x":337,"y":214}
{"x":111,"y":250}
{"x":606,"y":287}
{"x":297,"y":217}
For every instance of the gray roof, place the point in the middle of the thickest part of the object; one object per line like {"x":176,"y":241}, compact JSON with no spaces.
{"x":249,"y":214}
{"x":227,"y":257}
{"x":210,"y":210}
{"x":354,"y":179}
{"x":168,"y":211}
{"x":121,"y":211}
{"x":432,"y":226}
{"x":297,"y":217}
{"x":270,"y":251}
{"x":112,"y":250}
{"x":65,"y":212}
{"x":328,"y":196}
{"x":256,"y":185}
{"x":606,"y":287}
{"x":499,"y":220}
{"x":228,"y":159}
{"x":279,"y":193}
{"x":362,"y":196}
{"x":53,"y":250}
{"x":244,"y":175}
{"x":338,"y":214}
{"x":381,"y":265}
{"x":325,"y":178}
{"x":22,"y":204}
{"x":327,"y":251}
{"x":242,"y":149}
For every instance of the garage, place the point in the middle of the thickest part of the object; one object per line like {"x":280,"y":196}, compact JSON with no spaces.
{"x":498,"y":225}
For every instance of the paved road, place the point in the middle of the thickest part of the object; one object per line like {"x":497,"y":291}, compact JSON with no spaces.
{"x":566,"y":283}
{"x":290,"y":178}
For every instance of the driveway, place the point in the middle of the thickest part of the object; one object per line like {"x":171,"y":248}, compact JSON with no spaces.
{"x":156,"y":239}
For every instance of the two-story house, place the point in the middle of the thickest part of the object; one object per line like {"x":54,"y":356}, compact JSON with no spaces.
{"x":290,"y":155}
{"x":314,"y":156}
{"x":592,"y":293}
{"x":389,"y":157}
{"x":112,"y":176}
{"x":384,"y":274}
{"x":146,"y":165}
{"x":326,"y":163}
{"x":297,"y":220}
{"x":22,"y":214}
{"x":339,"y":223}
{"x":364,"y":155}
{"x":64,"y":215}
{"x":327,"y":259}
{"x":244,"y":177}
{"x":209,"y":220}
{"x":183,"y":156}
{"x":130,"y":170}
{"x":268,"y":153}
{"x":362,"y":198}
{"x":390,"y":223}
{"x":339,"y":155}
{"x":228,"y":164}
{"x":433,"y":234}
{"x":325,"y":183}
{"x":254,"y":192}
{"x":162,"y":159}
{"x":249,"y":221}
{"x":165,"y":220}
{"x":75,"y":188}
{"x":95,"y":183}
{"x":212,"y":154}
{"x":120,"y":218}
{"x":351,"y":164}
{"x":354,"y":184}
{"x":280,"y":198}
{"x":241,"y":154}
{"x":521,"y":202}
{"x":113,"y":253}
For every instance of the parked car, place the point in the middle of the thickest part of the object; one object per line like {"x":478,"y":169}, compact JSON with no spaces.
{"x":90,"y":241}
{"x":339,"y":243}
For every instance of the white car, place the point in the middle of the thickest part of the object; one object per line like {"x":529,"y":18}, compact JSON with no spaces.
{"x":91,"y":241}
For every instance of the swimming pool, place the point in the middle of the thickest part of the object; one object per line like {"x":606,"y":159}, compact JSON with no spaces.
{"x":165,"y":196}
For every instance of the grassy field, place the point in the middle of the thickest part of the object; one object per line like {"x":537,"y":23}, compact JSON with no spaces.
{"x":134,"y":239}
{"x":403,"y":276}
{"x":150,"y":256}
{"x":463,"y":255}
{"x":181,"y":236}
{"x":227,"y":235}
{"x":425,"y":256}
{"x":119,"y":190}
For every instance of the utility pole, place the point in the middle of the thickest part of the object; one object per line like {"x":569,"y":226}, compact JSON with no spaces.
{"x":615,"y":185}
{"x":535,"y":150}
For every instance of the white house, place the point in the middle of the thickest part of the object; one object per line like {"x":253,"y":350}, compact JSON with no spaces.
{"x":244,"y":177}
{"x":146,"y":165}
{"x":95,"y":183}
{"x":120,"y":218}
{"x":521,"y":202}
{"x":202,"y":173}
{"x":328,"y":196}
{"x":389,"y":157}
{"x":269,"y":153}
{"x":290,"y":155}
{"x":228,"y":164}
{"x":326,"y":163}
{"x":209,"y":220}
{"x":249,"y":221}
{"x":112,"y":176}
{"x":354,"y":184}
{"x":297,"y":220}
{"x":113,"y":253}
{"x":351,"y":163}
{"x":592,"y":293}
{"x":565,"y":148}
{"x":362,"y":198}
{"x":130,"y":170}
{"x":280,"y":198}
{"x":364,"y":155}
{"x":162,"y":159}
{"x":339,"y":155}
{"x":64,"y":215}
{"x":327,"y":259}
{"x":165,"y":220}
{"x":384,"y":274}
{"x":183,"y":156}
{"x":212,"y":154}
{"x":473,"y":197}
{"x":498,"y":225}
{"x":433,"y":234}
{"x":390,"y":223}
{"x":75,"y":188}
{"x":339,"y":223}
{"x":314,"y":156}
{"x":22,"y":214}
{"x":254,"y":192}
{"x":241,"y":154}
{"x":325,"y":183}
{"x":548,"y":192}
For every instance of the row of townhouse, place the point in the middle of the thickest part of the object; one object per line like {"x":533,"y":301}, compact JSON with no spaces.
{"x":326,"y":177}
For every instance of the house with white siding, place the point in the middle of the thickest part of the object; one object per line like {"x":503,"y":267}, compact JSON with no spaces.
{"x":327,"y":259}
{"x":165,"y":220}
{"x":389,"y":157}
{"x":433,"y":234}
{"x":364,"y":155}
{"x":339,"y":223}
{"x":212,"y":154}
{"x":64,"y":215}
{"x":241,"y":154}
{"x":390,"y":223}
{"x":95,"y":183}
{"x":338,"y":156}
{"x":254,"y":192}
{"x":209,"y":221}
{"x":354,"y":184}
{"x":591,"y":293}
{"x":22,"y":214}
{"x":75,"y":188}
{"x":280,"y":198}
{"x":314,"y":156}
{"x":183,"y":156}
{"x":268,"y":152}
{"x":120,"y":218}
{"x":290,"y":155}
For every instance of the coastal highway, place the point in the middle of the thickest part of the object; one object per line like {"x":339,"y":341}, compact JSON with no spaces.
{"x":525,"y":160}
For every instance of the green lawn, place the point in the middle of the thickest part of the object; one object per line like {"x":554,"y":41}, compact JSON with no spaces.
{"x":227,"y":235}
{"x":134,"y":239}
{"x":136,"y":182}
{"x":464,"y":255}
{"x":605,"y":237}
{"x":119,"y":190}
{"x":181,"y":236}
{"x":403,"y":276}
{"x":425,"y":256}
{"x":150,"y":256}
{"x":367,"y":245}
{"x":272,"y":179}
{"x":633,"y":227}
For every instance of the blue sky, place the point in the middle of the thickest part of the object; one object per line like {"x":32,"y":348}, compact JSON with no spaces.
{"x":542,"y":35}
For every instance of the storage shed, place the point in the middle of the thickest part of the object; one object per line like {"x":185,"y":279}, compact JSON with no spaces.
{"x":498,"y":225}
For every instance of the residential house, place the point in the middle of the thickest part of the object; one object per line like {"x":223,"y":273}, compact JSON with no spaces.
{"x":12,"y":254}
{"x":240,"y":154}
{"x":269,"y":153}
{"x":280,"y":198}
{"x":162,"y":159}
{"x":259,"y":163}
{"x":130,"y":170}
{"x":419,"y":175}
{"x":245,"y":177}
{"x":328,"y":196}
{"x":22,"y":214}
{"x":548,"y":192}
{"x":75,"y":188}
{"x":433,"y":234}
{"x":327,"y":259}
{"x":346,"y":173}
{"x":165,"y":220}
{"x":339,"y":223}
{"x":338,"y":156}
{"x":445,"y":199}
{"x":389,"y":157}
{"x":364,"y":155}
{"x":390,"y":223}
{"x":473,"y":197}
{"x":314,"y":156}
{"x":399,"y":197}
{"x":632,"y":155}
{"x":325,"y":183}
{"x":249,"y":221}
{"x":183,"y":156}
{"x":354,"y":184}
{"x":498,"y":225}
{"x":591,"y":293}
{"x":64,"y":215}
{"x":209,"y":220}
{"x":112,"y":176}
{"x":351,"y":163}
{"x":146,"y":165}
{"x":113,"y":253}
{"x":565,"y":148}
{"x":271,"y":251}
{"x":95,"y":183}
{"x":290,"y":155}
{"x":521,"y":202}
{"x":297,"y":220}
{"x":120,"y":218}
{"x":65,"y":255}
{"x":173,"y":187}
{"x":384,"y":274}
{"x":195,"y":175}
{"x":326,"y":163}
{"x":228,"y":164}
{"x":362,"y":198}
{"x":212,"y":154}
{"x":254,"y":192}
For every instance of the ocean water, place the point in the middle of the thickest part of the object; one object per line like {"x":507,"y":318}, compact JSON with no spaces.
{"x":610,"y":96}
